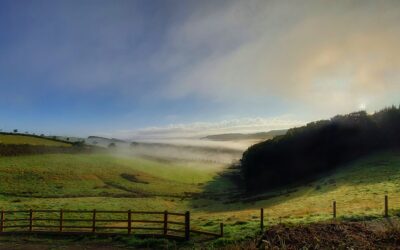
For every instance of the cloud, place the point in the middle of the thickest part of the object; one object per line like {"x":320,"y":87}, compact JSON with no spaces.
{"x":330,"y":53}
{"x":332,"y":56}
{"x":218,"y":58}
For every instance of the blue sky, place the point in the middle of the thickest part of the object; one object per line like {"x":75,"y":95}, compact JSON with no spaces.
{"x":127,"y":68}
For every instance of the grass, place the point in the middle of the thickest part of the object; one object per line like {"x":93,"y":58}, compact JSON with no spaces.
{"x":358,"y":189}
{"x":88,"y":181}
{"x":92,"y":175}
{"x":30,"y":140}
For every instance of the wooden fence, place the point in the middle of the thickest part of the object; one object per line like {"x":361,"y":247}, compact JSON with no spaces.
{"x":161,"y":224}
{"x":334,"y":211}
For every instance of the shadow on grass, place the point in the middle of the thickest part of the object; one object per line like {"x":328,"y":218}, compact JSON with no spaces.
{"x":225,"y":193}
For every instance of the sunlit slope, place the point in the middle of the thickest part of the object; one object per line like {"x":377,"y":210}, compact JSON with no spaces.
{"x":97,"y":175}
{"x":358,"y":188}
{"x":101,"y":181}
{"x":30,"y":140}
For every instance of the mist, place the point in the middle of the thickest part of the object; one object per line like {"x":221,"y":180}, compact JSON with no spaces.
{"x":168,"y":150}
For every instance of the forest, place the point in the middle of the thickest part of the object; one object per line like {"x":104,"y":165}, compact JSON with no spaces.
{"x":318,"y":147}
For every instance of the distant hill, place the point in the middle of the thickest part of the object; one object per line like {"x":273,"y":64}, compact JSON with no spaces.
{"x":104,"y":142}
{"x":68,"y":139}
{"x":17,"y":139}
{"x":14,"y":144}
{"x":238,"y":136}
{"x":305,"y":152}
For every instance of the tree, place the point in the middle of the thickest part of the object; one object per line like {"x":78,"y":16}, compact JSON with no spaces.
{"x":15,"y":130}
{"x":112,"y":145}
{"x":308,"y":151}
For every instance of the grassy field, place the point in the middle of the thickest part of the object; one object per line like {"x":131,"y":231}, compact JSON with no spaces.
{"x":31,"y":140}
{"x":106,"y":181}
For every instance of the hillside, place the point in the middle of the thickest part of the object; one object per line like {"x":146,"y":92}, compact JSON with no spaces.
{"x":16,"y":139}
{"x":108,"y":181}
{"x":238,"y":136}
{"x":91,"y":175}
{"x":104,"y":142}
{"x":102,"y":181}
{"x":305,"y":152}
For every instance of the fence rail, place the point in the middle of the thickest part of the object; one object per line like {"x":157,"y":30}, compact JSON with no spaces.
{"x":334,"y":211}
{"x":164,"y":224}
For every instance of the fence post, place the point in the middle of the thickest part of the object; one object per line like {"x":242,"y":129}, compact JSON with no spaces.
{"x":386,"y":206}
{"x":129,"y":221}
{"x":94,"y":221}
{"x":2,"y":221}
{"x":262,"y":219}
{"x":187,"y":225}
{"x":334,"y":209}
{"x":221,"y":226}
{"x":61,"y":219}
{"x":30,"y":220}
{"x":165,"y":222}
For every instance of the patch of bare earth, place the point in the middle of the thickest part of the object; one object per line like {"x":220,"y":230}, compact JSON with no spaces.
{"x":335,"y":235}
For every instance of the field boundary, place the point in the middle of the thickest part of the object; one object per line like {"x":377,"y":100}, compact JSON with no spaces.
{"x":334,"y":211}
{"x":50,"y":138}
{"x":80,"y":222}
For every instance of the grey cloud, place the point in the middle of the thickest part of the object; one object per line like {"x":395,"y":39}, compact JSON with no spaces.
{"x":333,"y":56}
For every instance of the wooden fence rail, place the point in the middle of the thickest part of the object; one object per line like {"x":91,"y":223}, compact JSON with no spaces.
{"x":334,"y":211}
{"x":165,"y":224}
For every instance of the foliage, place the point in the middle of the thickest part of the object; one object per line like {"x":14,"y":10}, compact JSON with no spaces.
{"x":318,"y":147}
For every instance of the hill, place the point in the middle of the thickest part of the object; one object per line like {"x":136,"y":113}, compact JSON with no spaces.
{"x":318,"y":147}
{"x":116,"y":182}
{"x":91,"y":175}
{"x":238,"y":136}
{"x":104,"y":142}
{"x":17,"y":139}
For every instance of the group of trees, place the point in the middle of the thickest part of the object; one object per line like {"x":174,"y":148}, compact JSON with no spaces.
{"x":14,"y":131}
{"x":318,"y":147}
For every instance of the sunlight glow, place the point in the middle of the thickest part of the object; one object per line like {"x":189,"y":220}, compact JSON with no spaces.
{"x":362,"y":106}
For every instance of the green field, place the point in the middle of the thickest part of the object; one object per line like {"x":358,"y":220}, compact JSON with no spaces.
{"x":31,"y":140}
{"x":110,"y":182}
{"x":99,"y":175}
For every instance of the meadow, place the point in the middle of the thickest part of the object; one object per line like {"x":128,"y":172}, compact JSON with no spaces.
{"x":121,"y":182}
{"x":6,"y":138}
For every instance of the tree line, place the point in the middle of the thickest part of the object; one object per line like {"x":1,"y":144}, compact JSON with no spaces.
{"x":307,"y":151}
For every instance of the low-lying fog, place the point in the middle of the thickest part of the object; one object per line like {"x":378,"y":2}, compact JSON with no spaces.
{"x":225,"y":152}
{"x":240,"y":145}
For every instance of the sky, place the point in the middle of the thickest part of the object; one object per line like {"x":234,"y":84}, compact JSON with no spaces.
{"x":171,"y":68}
